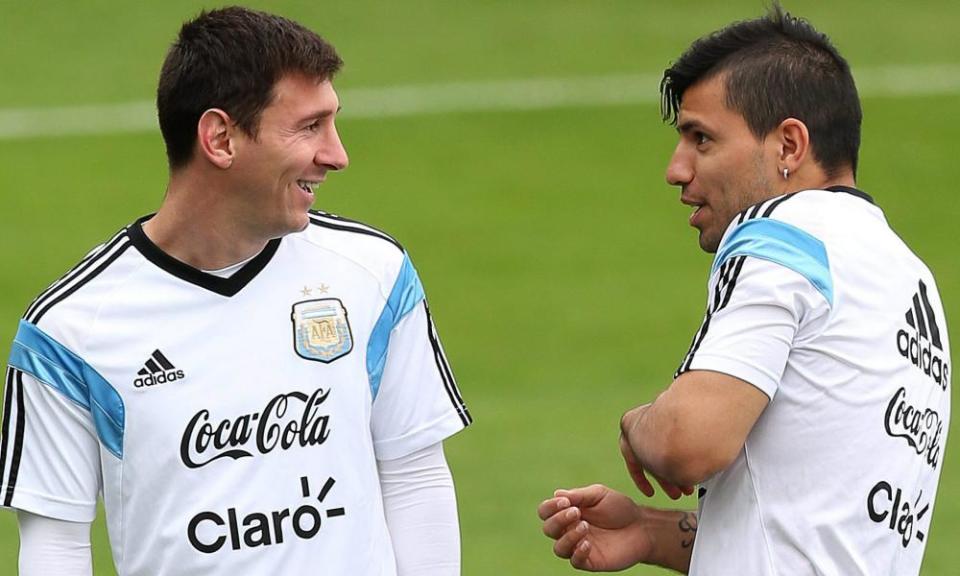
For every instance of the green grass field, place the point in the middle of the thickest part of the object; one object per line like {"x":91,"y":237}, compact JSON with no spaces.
{"x":561,"y":271}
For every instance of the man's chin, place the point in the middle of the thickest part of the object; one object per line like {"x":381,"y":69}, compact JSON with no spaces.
{"x":304,"y":223}
{"x":709,"y":244}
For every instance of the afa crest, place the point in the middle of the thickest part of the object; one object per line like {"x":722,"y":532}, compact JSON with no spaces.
{"x":321,"y":330}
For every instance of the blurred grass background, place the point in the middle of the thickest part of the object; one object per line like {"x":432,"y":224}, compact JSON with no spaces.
{"x":561,"y":271}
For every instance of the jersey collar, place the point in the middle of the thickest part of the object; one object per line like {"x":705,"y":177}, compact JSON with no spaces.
{"x":222,"y":286}
{"x":854,"y":191}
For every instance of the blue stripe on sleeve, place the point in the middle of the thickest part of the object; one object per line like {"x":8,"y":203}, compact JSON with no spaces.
{"x":407,"y":292}
{"x":783,"y":244}
{"x":42,"y":357}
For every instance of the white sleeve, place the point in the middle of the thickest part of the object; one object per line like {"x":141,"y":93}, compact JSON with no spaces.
{"x":421,"y":512}
{"x":417,"y":402}
{"x":758,"y":311}
{"x":50,"y":454}
{"x":50,"y":547}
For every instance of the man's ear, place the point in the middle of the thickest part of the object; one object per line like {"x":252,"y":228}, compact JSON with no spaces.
{"x":793,"y":140}
{"x":215,"y":138}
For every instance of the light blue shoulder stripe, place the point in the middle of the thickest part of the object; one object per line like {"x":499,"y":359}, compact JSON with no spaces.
{"x":783,"y":244}
{"x":407,"y":292}
{"x":39,"y":355}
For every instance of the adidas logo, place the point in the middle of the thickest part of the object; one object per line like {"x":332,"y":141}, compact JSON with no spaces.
{"x":157,"y":370}
{"x":920,"y":344}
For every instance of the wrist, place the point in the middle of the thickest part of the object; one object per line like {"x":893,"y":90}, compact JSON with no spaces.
{"x":671,"y":544}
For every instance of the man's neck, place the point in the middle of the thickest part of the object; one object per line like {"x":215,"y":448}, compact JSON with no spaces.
{"x":197,"y":228}
{"x":816,"y":179}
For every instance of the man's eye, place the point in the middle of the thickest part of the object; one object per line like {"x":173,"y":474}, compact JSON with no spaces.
{"x":701,"y":138}
{"x":314,"y":126}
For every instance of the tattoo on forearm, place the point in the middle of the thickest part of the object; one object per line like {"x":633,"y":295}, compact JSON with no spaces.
{"x":688,"y":525}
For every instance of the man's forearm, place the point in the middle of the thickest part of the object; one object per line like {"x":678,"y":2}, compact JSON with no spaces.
{"x":695,"y":428}
{"x":672,"y":533}
{"x":650,"y":441}
{"x":420,"y":507}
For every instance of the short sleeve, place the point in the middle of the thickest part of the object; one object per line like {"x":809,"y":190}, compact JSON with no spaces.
{"x":50,"y":451}
{"x":417,"y":402}
{"x":757,"y":312}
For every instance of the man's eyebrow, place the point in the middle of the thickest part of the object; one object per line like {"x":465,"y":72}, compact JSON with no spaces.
{"x":320,"y":114}
{"x":689,"y":126}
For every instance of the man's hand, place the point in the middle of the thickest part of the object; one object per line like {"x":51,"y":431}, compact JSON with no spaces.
{"x":596,"y":528}
{"x":627,"y":423}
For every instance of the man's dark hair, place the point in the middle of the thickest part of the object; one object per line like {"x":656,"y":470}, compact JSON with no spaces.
{"x":776,"y":67}
{"x":231,"y":59}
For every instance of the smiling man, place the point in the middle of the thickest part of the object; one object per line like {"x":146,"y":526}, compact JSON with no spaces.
{"x":813,"y":404}
{"x":253,"y":387}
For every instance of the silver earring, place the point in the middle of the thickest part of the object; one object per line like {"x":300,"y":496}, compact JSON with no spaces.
{"x":786,"y":173}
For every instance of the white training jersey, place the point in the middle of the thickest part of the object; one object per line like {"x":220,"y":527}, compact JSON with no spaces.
{"x":814,"y":300}
{"x":233,"y":425}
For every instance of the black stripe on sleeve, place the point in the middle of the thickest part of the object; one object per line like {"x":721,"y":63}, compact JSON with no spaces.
{"x":773,"y":205}
{"x":721,"y":297}
{"x":105,"y":263}
{"x":446,"y":374}
{"x":5,"y":430}
{"x":696,"y":344}
{"x":701,"y":332}
{"x":17,"y":442}
{"x":346,"y":225}
{"x":74,"y":273}
{"x":733,"y":281}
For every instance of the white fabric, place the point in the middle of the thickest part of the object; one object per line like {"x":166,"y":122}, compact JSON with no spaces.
{"x":228,"y":271}
{"x":267,"y":423}
{"x":50,"y":547}
{"x":421,"y":510}
{"x":832,"y":480}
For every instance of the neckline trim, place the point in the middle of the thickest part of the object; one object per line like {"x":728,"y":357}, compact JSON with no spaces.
{"x":850,"y":190}
{"x":223,"y":286}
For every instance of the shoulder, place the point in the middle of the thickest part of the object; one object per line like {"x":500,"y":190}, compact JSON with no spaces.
{"x":377,"y":252}
{"x":352,"y":232}
{"x":789,"y":231}
{"x":74,"y":298}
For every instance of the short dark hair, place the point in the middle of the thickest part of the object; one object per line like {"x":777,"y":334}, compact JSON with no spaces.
{"x":231,"y":59}
{"x":776,"y":67}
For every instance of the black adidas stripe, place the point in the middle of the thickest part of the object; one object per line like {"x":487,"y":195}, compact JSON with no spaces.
{"x":695,"y":345}
{"x":76,"y":269}
{"x":773,"y":205}
{"x":74,"y":272}
{"x":446,"y":374}
{"x":721,"y":297}
{"x":340,"y":223}
{"x":104,"y":262}
{"x":17,"y":439}
{"x":733,"y":281}
{"x":931,"y":317}
{"x":162,"y":360}
{"x":921,"y":324}
{"x":5,"y":430}
{"x":725,"y":269}
{"x":705,"y":325}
